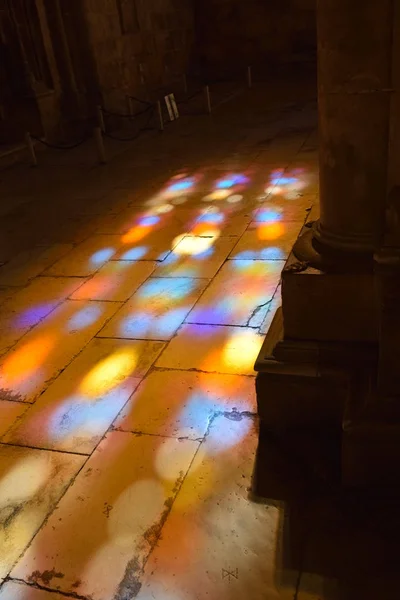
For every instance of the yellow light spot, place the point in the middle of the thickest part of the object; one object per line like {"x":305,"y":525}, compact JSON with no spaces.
{"x":241,"y":350}
{"x":270,"y":231}
{"x":23,"y":363}
{"x":163,"y":208}
{"x":205,"y":229}
{"x":193,"y":245}
{"x":217,"y":195}
{"x":109,"y":373}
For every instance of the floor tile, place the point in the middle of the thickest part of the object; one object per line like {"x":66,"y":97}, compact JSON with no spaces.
{"x":86,"y":258}
{"x":44,"y":351}
{"x":76,"y":410}
{"x":266,"y":241}
{"x":237,"y":293}
{"x":31,"y":484}
{"x":13,"y":590}
{"x":9,"y":413}
{"x":117,"y":280}
{"x":31,"y":263}
{"x":157,"y":309}
{"x":199,"y":257}
{"x":212,"y":348}
{"x":271,"y":310}
{"x":107,"y":523}
{"x":214,"y":529}
{"x":144,"y":244}
{"x":281,"y":210}
{"x":181,"y":404}
{"x":30,"y":305}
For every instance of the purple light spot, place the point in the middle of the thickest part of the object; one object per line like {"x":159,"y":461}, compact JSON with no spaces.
{"x":148,"y":221}
{"x":33,"y":315}
{"x":84,"y":318}
{"x":181,"y":186}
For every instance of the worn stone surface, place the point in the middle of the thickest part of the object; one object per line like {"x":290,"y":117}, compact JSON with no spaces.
{"x":214,"y":529}
{"x":31,"y":485}
{"x":189,"y":402}
{"x":114,"y":513}
{"x":116,"y":281}
{"x":93,"y":365}
{"x":218,"y":349}
{"x":238,"y":292}
{"x":41,"y":354}
{"x":157,"y":309}
{"x":74,"y":413}
{"x":20,"y":591}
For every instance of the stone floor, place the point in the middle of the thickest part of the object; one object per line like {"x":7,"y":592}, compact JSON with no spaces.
{"x":134,"y":299}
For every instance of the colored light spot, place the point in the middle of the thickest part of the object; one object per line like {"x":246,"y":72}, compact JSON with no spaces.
{"x":272,"y":253}
{"x":136,"y":234}
{"x":270,"y":231}
{"x":231,"y":181}
{"x":193,"y":245}
{"x":25,"y":479}
{"x":109,"y":373}
{"x":134,"y":253}
{"x":84,"y":318}
{"x":163,"y":209}
{"x":179,"y":200}
{"x":26,"y":360}
{"x":235,"y":198}
{"x":217,"y":195}
{"x":205,"y":229}
{"x":181,"y":186}
{"x":170,"y":456}
{"x":212,"y":217}
{"x":33,"y":315}
{"x":102,"y":256}
{"x":241,"y":350}
{"x":148,"y":221}
{"x":268,"y":216}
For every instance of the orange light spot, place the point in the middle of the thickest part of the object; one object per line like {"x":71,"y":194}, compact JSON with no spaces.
{"x":22,"y":363}
{"x":205,"y":229}
{"x":135,"y":234}
{"x":270,"y":231}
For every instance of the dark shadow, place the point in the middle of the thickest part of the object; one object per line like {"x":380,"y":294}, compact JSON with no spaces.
{"x":345,"y":543}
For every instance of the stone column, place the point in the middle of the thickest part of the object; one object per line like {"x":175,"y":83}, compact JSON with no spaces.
{"x":354,"y":75}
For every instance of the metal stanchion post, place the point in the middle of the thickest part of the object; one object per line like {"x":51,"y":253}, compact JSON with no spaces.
{"x":129,"y":105}
{"x":100,"y":118}
{"x":207,"y":99}
{"x":160,"y":117}
{"x":249,"y":78}
{"x":98,"y":138}
{"x":31,"y":149}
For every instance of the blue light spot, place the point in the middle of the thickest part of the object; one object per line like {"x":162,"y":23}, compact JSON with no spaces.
{"x":283,"y":180}
{"x":148,"y":221}
{"x":272,"y":253}
{"x":136,"y":325}
{"x":167,"y":324}
{"x":269,"y":216}
{"x":244,"y":255}
{"x":134,"y":253}
{"x":102,"y":256}
{"x":84,"y":318}
{"x":181,"y":186}
{"x":206,"y":254}
{"x":212,"y":218}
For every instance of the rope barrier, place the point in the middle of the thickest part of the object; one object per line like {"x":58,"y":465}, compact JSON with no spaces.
{"x":140,"y":101}
{"x":137,"y":134}
{"x":56,"y":147}
{"x":125,"y":115}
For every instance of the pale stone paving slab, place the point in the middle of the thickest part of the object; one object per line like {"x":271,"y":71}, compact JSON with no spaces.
{"x":196,"y":257}
{"x":9,"y":413}
{"x":267,"y":241}
{"x":29,"y":264}
{"x":87,"y":257}
{"x":30,"y":305}
{"x":76,"y":410}
{"x":212,"y":348}
{"x":32,"y":483}
{"x":236,"y":292}
{"x":12,"y":590}
{"x":214,"y":529}
{"x":156,"y":310}
{"x":116,"y":281}
{"x":106,"y":524}
{"x":272,"y":308}
{"x":181,"y":403}
{"x":44,"y":351}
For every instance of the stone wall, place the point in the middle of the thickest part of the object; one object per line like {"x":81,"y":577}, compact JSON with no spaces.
{"x":258,"y":32}
{"x":138,"y":44}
